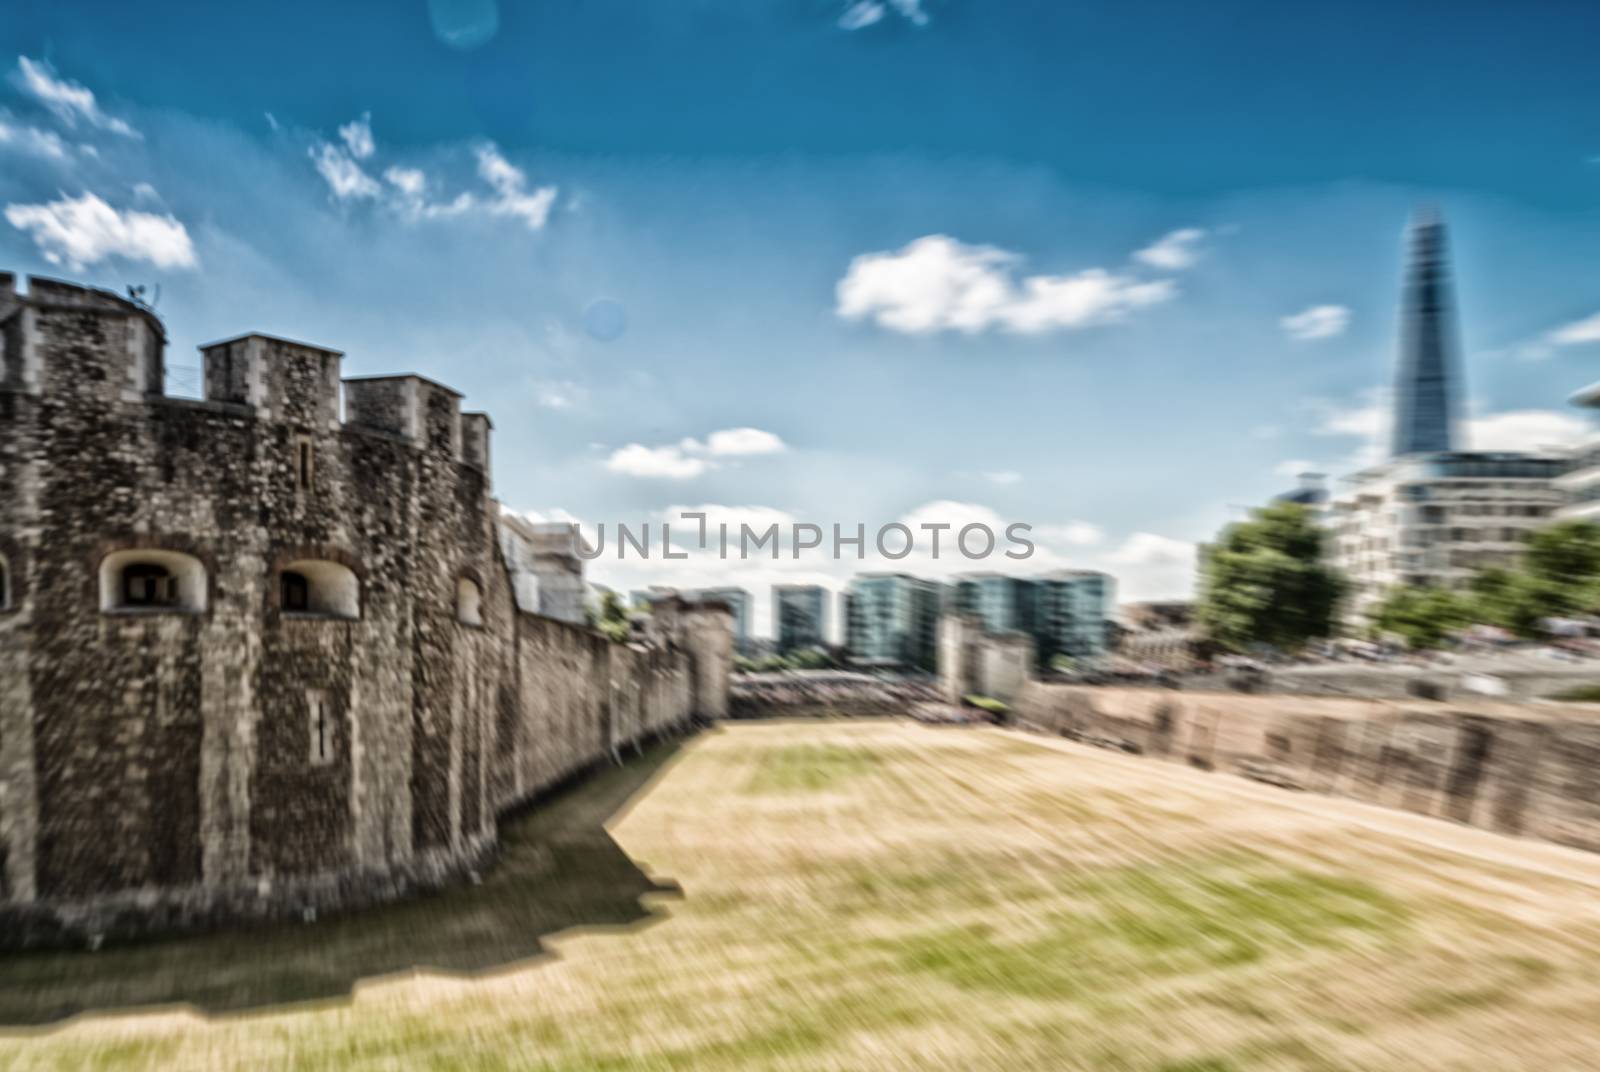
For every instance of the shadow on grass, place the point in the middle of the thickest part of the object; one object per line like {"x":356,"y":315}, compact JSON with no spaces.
{"x":558,"y":869}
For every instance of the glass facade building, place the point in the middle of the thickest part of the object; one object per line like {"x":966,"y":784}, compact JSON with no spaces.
{"x":1427,"y":387}
{"x":1004,"y":604}
{"x":799,"y":616}
{"x":1066,"y":613}
{"x":1074,"y":613}
{"x":893,"y":621}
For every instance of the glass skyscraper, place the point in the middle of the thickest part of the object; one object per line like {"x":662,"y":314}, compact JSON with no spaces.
{"x":1426,"y":391}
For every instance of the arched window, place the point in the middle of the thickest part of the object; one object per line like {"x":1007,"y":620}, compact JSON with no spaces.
{"x":152,"y":581}
{"x":469,"y":602}
{"x":319,"y":588}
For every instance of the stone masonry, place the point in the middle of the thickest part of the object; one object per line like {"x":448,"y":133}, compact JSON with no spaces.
{"x":261,"y":659}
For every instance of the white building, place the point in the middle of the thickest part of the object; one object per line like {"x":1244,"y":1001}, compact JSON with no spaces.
{"x":546,"y":566}
{"x":1582,"y":480}
{"x":1436,"y":519}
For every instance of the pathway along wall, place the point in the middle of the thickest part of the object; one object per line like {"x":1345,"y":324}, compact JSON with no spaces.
{"x":1532,"y":770}
{"x":258,"y":659}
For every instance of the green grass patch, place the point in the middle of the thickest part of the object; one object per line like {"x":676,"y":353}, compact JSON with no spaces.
{"x":809,"y":768}
{"x":1581,"y":694}
{"x":1158,"y":919}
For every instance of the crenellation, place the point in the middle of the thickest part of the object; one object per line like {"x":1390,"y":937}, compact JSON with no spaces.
{"x":476,"y":430}
{"x":263,"y":661}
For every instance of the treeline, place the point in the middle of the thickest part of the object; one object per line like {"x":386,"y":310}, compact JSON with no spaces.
{"x":1268,"y":582}
{"x":1559,"y":578}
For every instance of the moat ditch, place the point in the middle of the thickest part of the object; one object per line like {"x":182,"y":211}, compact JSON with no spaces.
{"x":558,"y":869}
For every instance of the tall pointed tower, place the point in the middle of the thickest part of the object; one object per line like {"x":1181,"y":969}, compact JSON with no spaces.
{"x":1427,"y":392}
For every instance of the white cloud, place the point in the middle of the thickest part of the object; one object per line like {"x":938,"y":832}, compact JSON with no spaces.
{"x":860,"y":14}
{"x":1173,"y":251}
{"x":911,"y":10}
{"x":344,"y":176}
{"x":1003,"y":476}
{"x":69,"y":101}
{"x":411,"y":200}
{"x":560,"y":394}
{"x":1148,"y":566}
{"x":690,"y":457}
{"x":939,"y":284}
{"x":409,"y":181}
{"x":510,"y":183}
{"x":357,"y":135}
{"x":85,"y":230}
{"x":31,"y":140}
{"x":1577,"y":333}
{"x":1317,"y":322}
{"x":1146,"y":548}
{"x":1526,"y":429}
{"x":1512,"y":430}
{"x":1073,"y":533}
{"x":759,"y":518}
{"x":656,"y":463}
{"x":734,"y":441}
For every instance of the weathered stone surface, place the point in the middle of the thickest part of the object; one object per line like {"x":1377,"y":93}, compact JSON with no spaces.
{"x":237,"y":753}
{"x":1530,"y":769}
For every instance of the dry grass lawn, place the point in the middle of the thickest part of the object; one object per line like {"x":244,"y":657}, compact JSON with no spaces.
{"x":875,"y":895}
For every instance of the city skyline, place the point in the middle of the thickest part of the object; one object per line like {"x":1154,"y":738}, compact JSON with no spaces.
{"x":1090,"y":320}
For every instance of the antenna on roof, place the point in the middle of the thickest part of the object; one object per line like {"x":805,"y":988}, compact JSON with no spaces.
{"x":136,"y":296}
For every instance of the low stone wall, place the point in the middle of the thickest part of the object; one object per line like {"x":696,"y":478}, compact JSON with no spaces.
{"x":794,"y":696}
{"x":1450,"y":684}
{"x":1531,"y":770}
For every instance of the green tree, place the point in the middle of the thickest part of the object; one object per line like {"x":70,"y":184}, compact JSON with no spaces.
{"x":1265,"y":582}
{"x":1565,"y":559}
{"x":614,"y":621}
{"x":1424,"y":617}
{"x":1559,"y":577}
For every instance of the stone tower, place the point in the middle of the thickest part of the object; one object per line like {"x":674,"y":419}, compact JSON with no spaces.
{"x":1428,"y":388}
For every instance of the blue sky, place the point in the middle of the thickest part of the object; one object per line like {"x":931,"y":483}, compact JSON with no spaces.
{"x":1109,"y":269}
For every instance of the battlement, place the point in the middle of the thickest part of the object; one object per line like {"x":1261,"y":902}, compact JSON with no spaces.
{"x":48,"y":346}
{"x":292,"y":381}
{"x":413,"y":407}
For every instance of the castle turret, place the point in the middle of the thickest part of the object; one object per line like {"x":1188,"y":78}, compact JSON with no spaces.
{"x":82,"y":342}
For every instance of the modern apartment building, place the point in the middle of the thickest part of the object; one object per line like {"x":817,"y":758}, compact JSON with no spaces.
{"x":1067,"y":612}
{"x":1073,"y":614}
{"x":1581,"y":482}
{"x":1004,"y":604}
{"x":893,"y":621}
{"x":1436,"y":519}
{"x":799,"y":616}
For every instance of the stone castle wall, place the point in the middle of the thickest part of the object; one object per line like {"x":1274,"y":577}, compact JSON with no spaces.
{"x":227,"y":754}
{"x":1527,"y":769}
